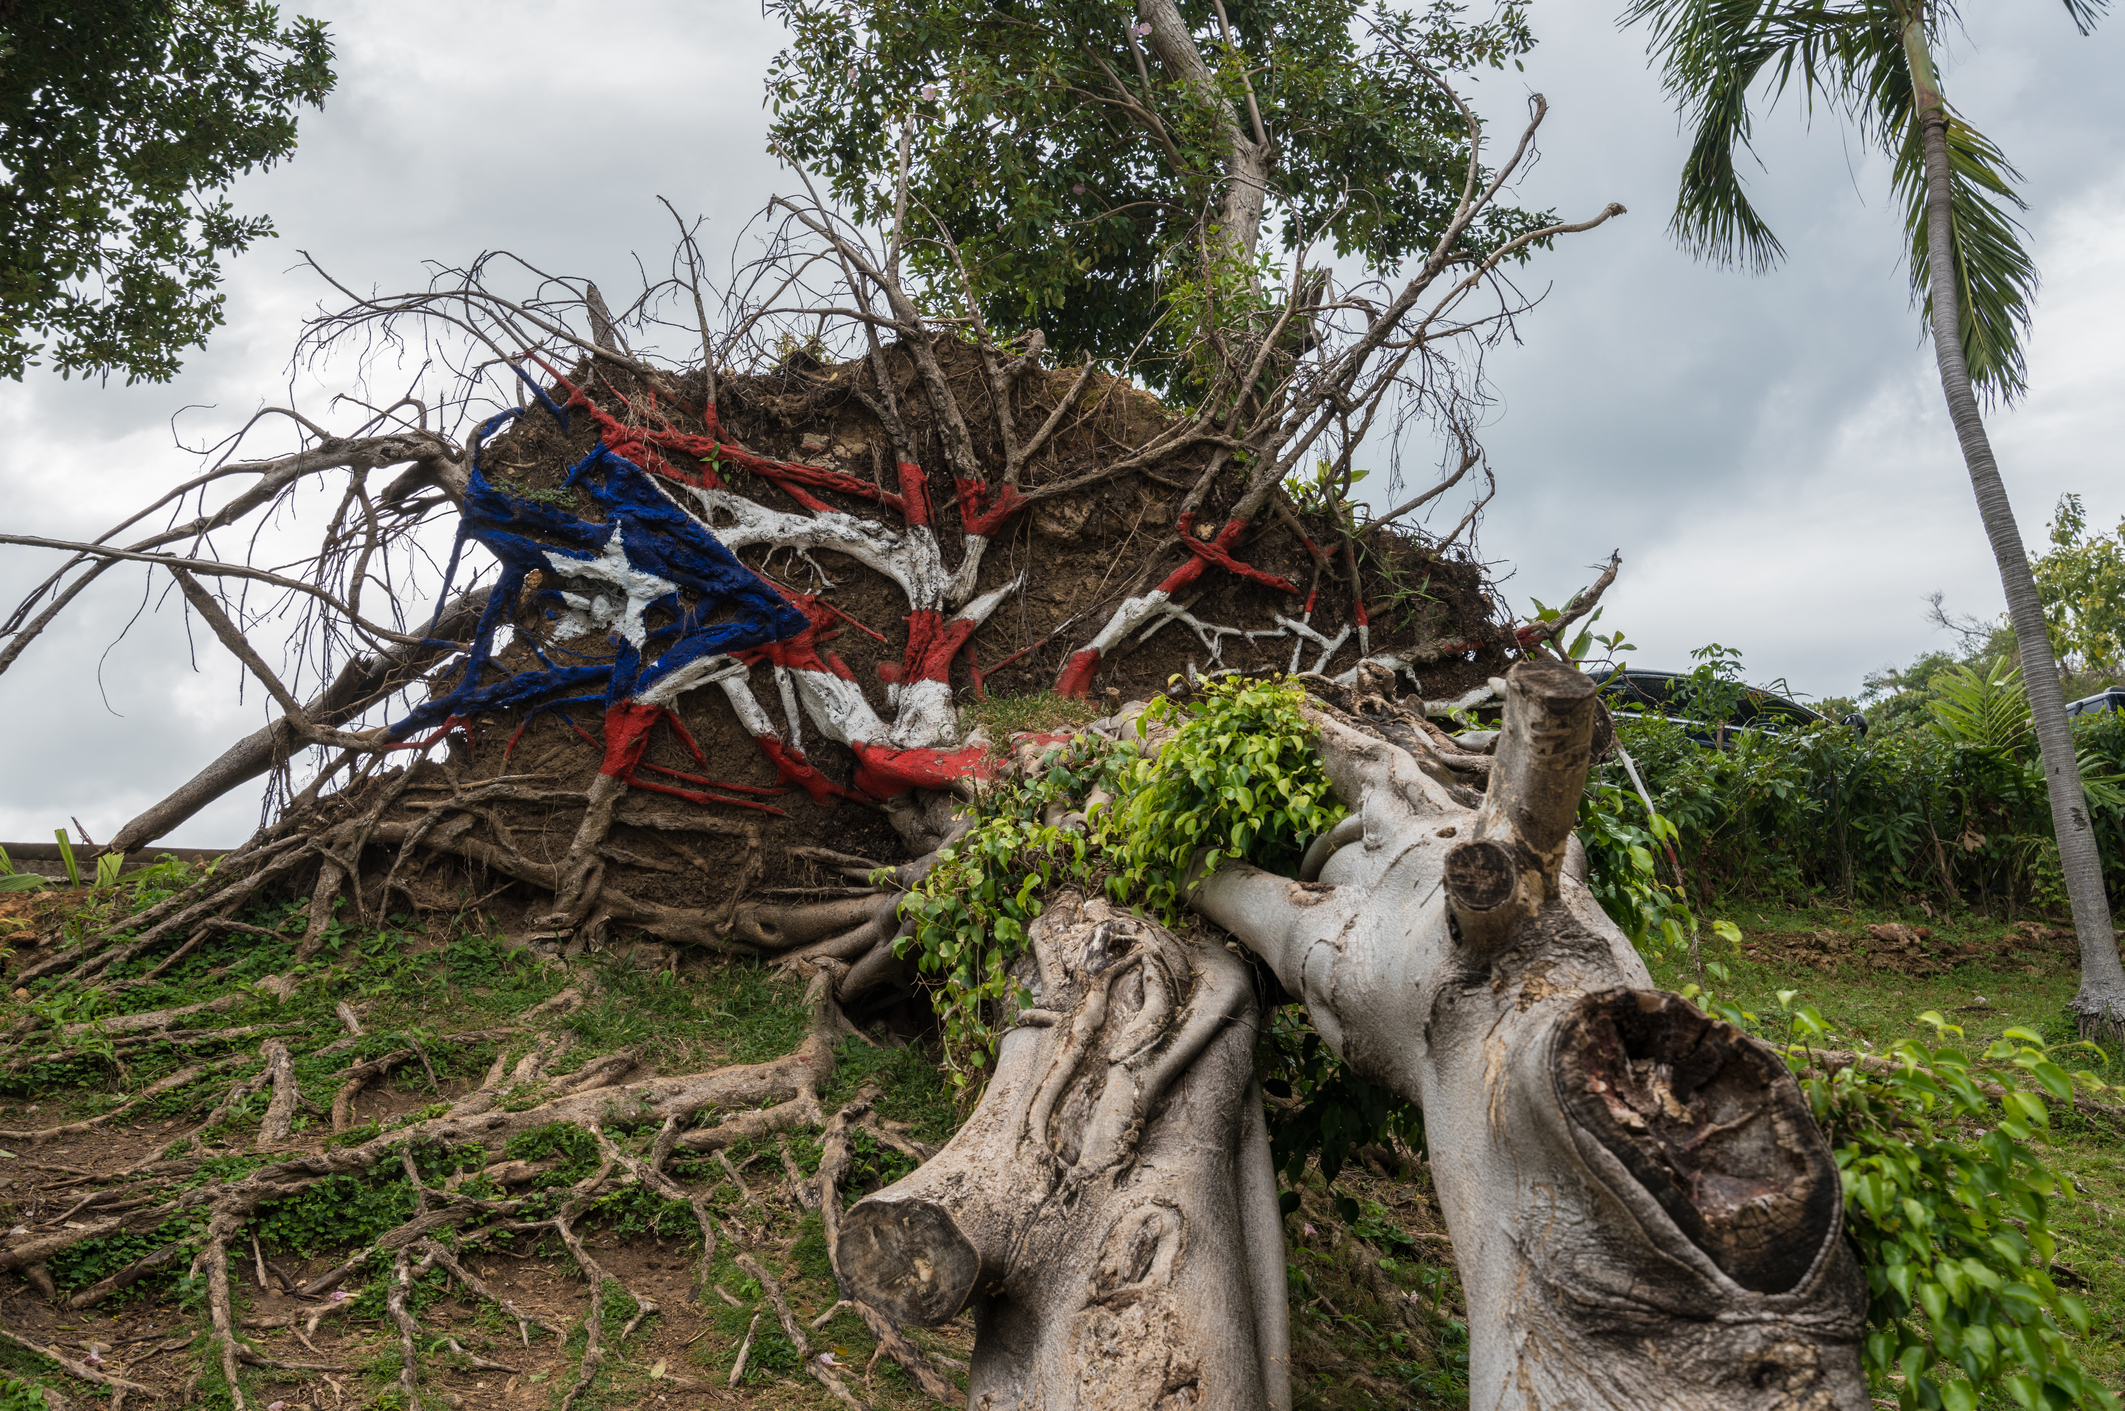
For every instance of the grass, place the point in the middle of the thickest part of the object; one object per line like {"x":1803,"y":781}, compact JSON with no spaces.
{"x":1043,"y":713}
{"x":418,"y":984}
{"x":1874,"y":1005}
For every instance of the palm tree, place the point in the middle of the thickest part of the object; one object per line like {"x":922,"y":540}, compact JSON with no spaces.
{"x":1873,"y":60}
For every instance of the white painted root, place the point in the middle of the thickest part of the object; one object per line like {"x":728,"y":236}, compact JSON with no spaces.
{"x":1152,"y":611}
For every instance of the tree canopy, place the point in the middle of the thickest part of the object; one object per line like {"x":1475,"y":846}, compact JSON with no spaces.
{"x":1087,"y":156}
{"x":121,"y":123}
{"x":2082,"y":578}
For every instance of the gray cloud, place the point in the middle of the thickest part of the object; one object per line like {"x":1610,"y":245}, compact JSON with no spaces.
{"x":1770,"y":453}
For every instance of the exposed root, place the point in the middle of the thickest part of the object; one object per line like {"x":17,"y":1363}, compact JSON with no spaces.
{"x":280,"y":1112}
{"x":779,"y":1095}
{"x":745,"y":1350}
{"x":358,"y":1077}
{"x":181,"y":1078}
{"x":820,"y":1366}
{"x":594,"y":1322}
{"x":777,"y":928}
{"x":833,"y":1172}
{"x":403,"y":1273}
{"x":648,"y":1174}
{"x":213,"y":1260}
{"x":322,"y":895}
{"x":76,"y":1368}
{"x":525,"y":1321}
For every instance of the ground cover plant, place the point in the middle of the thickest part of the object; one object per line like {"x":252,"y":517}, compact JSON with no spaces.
{"x":1931,"y":1009}
{"x":590,"y":958}
{"x":497,"y":1313}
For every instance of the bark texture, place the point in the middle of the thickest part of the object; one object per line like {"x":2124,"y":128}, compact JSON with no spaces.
{"x":1108,"y":1212}
{"x":1643,"y":1211}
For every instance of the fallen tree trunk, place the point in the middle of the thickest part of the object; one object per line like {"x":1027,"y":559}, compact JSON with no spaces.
{"x":1642,"y":1209}
{"x":1109,"y":1211}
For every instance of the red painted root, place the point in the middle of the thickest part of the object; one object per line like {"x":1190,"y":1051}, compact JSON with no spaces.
{"x":1076,"y":679}
{"x":1219,"y":552}
{"x":882,"y":772}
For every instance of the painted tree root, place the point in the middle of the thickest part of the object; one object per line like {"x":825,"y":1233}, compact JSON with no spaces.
{"x":1643,"y":1211}
{"x":1109,"y":1211}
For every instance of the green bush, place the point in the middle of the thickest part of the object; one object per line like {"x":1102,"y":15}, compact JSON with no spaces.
{"x":1240,"y":780}
{"x":20,"y":1396}
{"x":1947,"y":1196}
{"x":1957,"y":811}
{"x":1948,"y":1204}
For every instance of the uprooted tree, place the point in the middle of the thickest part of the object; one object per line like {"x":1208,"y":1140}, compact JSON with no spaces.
{"x":1643,"y":1209}
{"x":699,"y":688}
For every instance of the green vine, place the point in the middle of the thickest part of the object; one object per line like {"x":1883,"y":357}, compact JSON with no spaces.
{"x":1947,"y":1194}
{"x":1623,"y":871}
{"x":1241,"y":781}
{"x":972,"y":911}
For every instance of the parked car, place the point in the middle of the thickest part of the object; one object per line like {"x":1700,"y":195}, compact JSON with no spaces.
{"x":2112,"y":699}
{"x":1634,"y":692}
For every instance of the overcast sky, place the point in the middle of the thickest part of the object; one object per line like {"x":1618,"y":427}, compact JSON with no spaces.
{"x":1769,"y":453}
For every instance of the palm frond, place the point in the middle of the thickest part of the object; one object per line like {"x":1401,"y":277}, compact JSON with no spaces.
{"x":1995,"y":280}
{"x":1988,"y":710}
{"x":1714,"y":218}
{"x":1710,"y":59}
{"x":2085,"y":13}
{"x":1713,"y":53}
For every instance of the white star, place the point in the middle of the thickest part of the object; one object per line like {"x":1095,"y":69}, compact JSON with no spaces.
{"x":612,"y":567}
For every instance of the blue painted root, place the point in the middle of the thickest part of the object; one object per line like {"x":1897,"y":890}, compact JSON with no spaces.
{"x":734,"y":609}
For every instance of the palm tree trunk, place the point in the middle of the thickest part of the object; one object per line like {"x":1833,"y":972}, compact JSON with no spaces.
{"x":2100,"y":1002}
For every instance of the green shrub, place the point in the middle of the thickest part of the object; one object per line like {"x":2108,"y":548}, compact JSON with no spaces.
{"x":1948,"y":1204}
{"x":972,"y":911}
{"x":1947,"y":1195}
{"x":1956,"y":812}
{"x":1240,"y":781}
{"x":20,"y":1396}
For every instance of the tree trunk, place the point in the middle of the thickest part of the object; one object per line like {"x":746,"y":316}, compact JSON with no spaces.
{"x":2100,"y":1002}
{"x":1240,"y":204}
{"x":1109,"y":1211}
{"x":1643,"y":1211}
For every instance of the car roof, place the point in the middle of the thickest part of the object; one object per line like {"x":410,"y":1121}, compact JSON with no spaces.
{"x":1643,"y":687}
{"x":2111,"y":699}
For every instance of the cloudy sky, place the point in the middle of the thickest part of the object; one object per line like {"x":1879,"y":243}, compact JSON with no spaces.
{"x":1769,"y":453}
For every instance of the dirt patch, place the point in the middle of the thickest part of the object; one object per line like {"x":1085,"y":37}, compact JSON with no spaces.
{"x":2030,"y":947}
